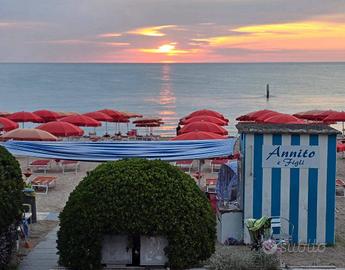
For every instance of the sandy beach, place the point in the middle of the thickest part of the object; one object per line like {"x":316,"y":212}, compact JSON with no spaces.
{"x":57,"y":197}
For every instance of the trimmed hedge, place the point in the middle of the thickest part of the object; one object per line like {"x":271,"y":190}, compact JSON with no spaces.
{"x":136,"y":196}
{"x":11,"y":185}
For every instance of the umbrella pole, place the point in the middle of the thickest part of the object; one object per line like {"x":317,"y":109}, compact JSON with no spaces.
{"x":22,"y":124}
{"x":199,"y":169}
{"x":343,"y":129}
{"x":106,"y":128}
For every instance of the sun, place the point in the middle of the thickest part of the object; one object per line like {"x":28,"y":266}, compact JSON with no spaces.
{"x":166,"y":48}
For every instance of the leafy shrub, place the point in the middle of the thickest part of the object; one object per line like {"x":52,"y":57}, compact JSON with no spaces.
{"x":141,"y":197}
{"x":242,"y":258}
{"x":11,"y":185}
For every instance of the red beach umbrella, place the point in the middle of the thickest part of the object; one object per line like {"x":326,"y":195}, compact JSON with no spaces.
{"x":81,"y":120}
{"x":122,"y":120}
{"x":47,"y":115}
{"x":152,"y":124}
{"x":208,"y":113}
{"x":114,"y":114}
{"x":265,"y":116}
{"x":283,"y":119}
{"x":132,"y":115}
{"x":99,"y":116}
{"x":252,"y":115}
{"x":148,"y":120}
{"x":204,"y":118}
{"x":118,"y":117}
{"x":336,"y":117}
{"x":149,"y":125}
{"x":61,"y":129}
{"x":314,"y":115}
{"x":203,"y":126}
{"x":28,"y":134}
{"x":198,"y":135}
{"x":7,"y":124}
{"x":25,"y":117}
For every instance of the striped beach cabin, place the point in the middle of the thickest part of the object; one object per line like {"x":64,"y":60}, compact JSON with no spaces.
{"x":290,"y":171}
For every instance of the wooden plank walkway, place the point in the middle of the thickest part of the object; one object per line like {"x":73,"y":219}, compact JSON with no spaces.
{"x":43,"y":256}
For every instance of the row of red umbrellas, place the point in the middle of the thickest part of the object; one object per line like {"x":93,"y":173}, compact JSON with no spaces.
{"x":273,"y":117}
{"x":58,"y":124}
{"x":42,"y":116}
{"x":202,"y":125}
{"x":92,"y":119}
{"x":270,"y":117}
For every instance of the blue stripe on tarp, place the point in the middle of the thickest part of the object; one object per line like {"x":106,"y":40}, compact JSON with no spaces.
{"x":106,"y":151}
{"x":330,"y":193}
{"x":312,"y":196}
{"x":276,"y":185}
{"x":294,"y":195}
{"x":257,"y":179}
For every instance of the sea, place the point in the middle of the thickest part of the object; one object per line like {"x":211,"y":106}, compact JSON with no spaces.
{"x":171,"y":91}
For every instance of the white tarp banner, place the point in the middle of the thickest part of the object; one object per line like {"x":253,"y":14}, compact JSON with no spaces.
{"x":290,"y":156}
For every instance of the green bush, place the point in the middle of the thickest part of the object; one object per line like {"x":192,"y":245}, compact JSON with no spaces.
{"x":11,"y":185}
{"x":136,"y":196}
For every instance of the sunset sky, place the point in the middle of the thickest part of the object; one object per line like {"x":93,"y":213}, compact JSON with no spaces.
{"x":172,"y":30}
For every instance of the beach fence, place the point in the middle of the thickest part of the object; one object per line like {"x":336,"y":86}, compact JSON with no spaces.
{"x":289,"y":171}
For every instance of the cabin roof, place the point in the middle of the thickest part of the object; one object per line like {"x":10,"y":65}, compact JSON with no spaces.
{"x":263,"y":128}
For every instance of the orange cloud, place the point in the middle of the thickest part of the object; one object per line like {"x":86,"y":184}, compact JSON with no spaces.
{"x":288,"y":36}
{"x":110,"y":35}
{"x":151,"y":31}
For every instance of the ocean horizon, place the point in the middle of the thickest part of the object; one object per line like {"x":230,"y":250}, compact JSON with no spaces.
{"x":172,"y":90}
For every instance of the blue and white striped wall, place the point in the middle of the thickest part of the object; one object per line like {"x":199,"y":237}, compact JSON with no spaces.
{"x":305,"y":196}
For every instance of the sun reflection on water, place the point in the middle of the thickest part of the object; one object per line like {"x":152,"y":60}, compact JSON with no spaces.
{"x":167,"y":102}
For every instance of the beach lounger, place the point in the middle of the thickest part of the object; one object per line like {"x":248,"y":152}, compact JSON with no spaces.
{"x":40,"y":164}
{"x":69,"y":164}
{"x":217,"y":163}
{"x":341,"y":184}
{"x":185,"y":164}
{"x":41,"y":184}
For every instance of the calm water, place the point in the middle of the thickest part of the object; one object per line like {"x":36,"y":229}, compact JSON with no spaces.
{"x":172,"y":90}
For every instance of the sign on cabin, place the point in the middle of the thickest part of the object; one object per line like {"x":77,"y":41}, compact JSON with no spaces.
{"x":290,"y":156}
